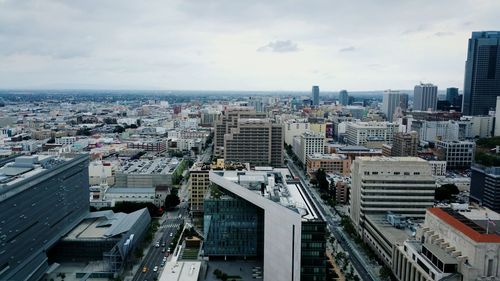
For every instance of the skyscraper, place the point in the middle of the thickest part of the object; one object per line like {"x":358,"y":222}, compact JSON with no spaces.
{"x":482,"y":73}
{"x":452,"y":95}
{"x":391,"y":101}
{"x":402,"y":185}
{"x":315,"y":95}
{"x":343,"y":97}
{"x":425,"y":97}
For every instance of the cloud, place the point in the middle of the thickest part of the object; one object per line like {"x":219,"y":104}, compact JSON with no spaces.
{"x":417,"y":29}
{"x":443,"y":33}
{"x":279,"y":46}
{"x":348,"y":49}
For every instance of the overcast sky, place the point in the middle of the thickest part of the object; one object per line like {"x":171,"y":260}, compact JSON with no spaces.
{"x":237,"y":44}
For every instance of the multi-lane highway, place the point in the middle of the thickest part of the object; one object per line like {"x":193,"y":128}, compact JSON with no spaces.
{"x":357,"y":262}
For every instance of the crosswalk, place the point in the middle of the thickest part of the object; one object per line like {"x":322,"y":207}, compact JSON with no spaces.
{"x":169,"y":225}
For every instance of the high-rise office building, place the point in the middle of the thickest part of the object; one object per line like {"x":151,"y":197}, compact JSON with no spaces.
{"x":308,"y":144}
{"x":485,"y":186}
{"x":360,"y":133}
{"x":452,"y":95}
{"x":393,"y":100}
{"x":457,"y":154}
{"x":228,"y":120}
{"x":343,"y":97}
{"x":255,"y":141}
{"x":405,"y":144}
{"x":315,"y":95}
{"x":41,"y":199}
{"x":261,"y":216}
{"x":425,"y":97}
{"x":402,"y":185}
{"x":482,"y":73}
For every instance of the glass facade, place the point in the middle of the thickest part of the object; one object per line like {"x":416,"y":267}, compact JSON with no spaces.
{"x":313,"y":248}
{"x":482,"y":73}
{"x":232,"y":226}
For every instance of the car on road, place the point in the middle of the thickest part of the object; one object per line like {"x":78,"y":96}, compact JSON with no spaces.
{"x":163,"y":244}
{"x":157,"y":245}
{"x":162,"y":264}
{"x":145,"y":269}
{"x":171,"y":234}
{"x":164,"y":259}
{"x":155,"y":269}
{"x":163,"y":250}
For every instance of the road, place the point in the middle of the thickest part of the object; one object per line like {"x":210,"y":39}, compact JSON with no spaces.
{"x":172,"y":220}
{"x":155,"y":255}
{"x":333,"y":225}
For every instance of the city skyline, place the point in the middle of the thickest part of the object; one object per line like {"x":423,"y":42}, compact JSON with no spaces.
{"x":223,"y":45}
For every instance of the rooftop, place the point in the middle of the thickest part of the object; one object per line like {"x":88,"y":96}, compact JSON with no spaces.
{"x":465,"y":225}
{"x":155,"y":166}
{"x":390,"y":159}
{"x":319,"y":156}
{"x":104,"y":225}
{"x":18,"y":169}
{"x":394,"y":233}
{"x":358,"y":148}
{"x":275,"y":188}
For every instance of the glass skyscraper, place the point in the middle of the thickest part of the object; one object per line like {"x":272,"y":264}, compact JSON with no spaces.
{"x":315,"y":95}
{"x":482,"y":73}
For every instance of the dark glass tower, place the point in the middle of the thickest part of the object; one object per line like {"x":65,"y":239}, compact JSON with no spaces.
{"x":452,"y":95}
{"x":315,"y":95}
{"x":482,"y":73}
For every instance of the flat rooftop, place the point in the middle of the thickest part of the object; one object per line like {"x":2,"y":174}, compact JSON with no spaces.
{"x":17,"y":169}
{"x":155,"y":166}
{"x":390,"y":159}
{"x":319,"y":156}
{"x":475,"y":230}
{"x":392,"y":233}
{"x":357,"y":148}
{"x":176,"y":270}
{"x":276,"y":188}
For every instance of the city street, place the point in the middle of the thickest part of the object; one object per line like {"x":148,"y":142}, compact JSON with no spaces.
{"x":360,"y":265}
{"x":155,"y":255}
{"x":168,"y":227}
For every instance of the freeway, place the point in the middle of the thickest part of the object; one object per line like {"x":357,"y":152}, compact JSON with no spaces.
{"x":357,"y":261}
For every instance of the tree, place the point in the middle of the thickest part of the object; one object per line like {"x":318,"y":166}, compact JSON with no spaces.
{"x":385,"y":273}
{"x":446,"y":192}
{"x":119,"y":129}
{"x":322,"y":181}
{"x":171,"y":201}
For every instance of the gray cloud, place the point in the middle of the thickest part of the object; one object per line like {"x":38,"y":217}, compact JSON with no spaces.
{"x":418,"y":29}
{"x":443,"y":33}
{"x":348,"y":49}
{"x":279,"y":46}
{"x":171,"y":44}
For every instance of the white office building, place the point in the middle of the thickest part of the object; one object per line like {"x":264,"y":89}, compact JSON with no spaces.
{"x":402,"y":185}
{"x":425,"y":97}
{"x":457,"y":154}
{"x":294,"y":128}
{"x":359,"y":133}
{"x":308,"y":144}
